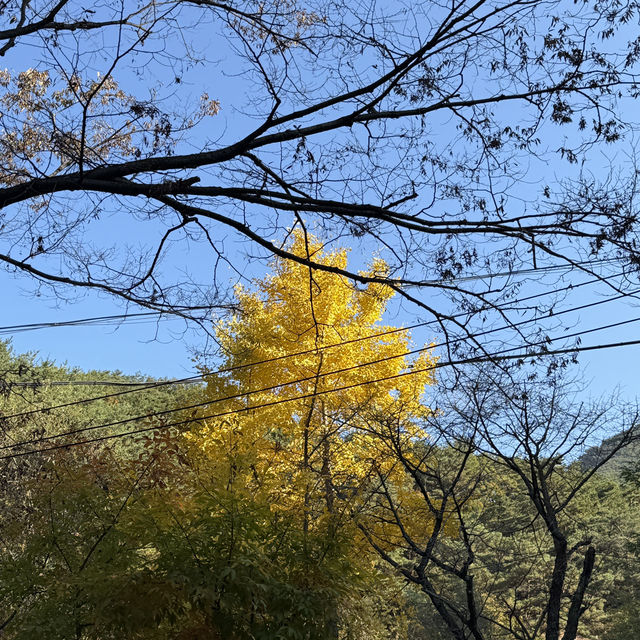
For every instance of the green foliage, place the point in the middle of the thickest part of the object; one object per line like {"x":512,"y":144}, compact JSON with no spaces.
{"x":57,"y":504}
{"x":512,"y":553}
{"x":147,"y":541}
{"x":164,"y":552}
{"x":152,"y":539}
{"x":24,"y":387}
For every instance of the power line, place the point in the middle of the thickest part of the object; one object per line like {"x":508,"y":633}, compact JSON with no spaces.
{"x":145,"y":316}
{"x":491,"y":358}
{"x":152,"y":385}
{"x":94,"y":383}
{"x":213,"y":373}
{"x":95,"y":321}
{"x":520,"y":272}
{"x":117,"y":319}
{"x":235,"y":396}
{"x":498,"y":357}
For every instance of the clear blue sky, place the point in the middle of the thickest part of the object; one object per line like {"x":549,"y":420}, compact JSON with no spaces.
{"x":149,"y":347}
{"x":165,"y":349}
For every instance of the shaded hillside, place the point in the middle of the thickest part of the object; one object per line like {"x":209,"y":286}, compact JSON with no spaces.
{"x":29,"y":387}
{"x":626,"y":459}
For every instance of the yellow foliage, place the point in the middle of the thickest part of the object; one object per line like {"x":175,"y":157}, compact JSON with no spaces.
{"x":303,"y":435}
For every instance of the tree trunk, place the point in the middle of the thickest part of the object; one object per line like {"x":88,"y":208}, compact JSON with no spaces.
{"x":575,"y":611}
{"x":556,"y":587}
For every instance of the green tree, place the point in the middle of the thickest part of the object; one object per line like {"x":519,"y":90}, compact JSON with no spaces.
{"x":57,"y":504}
{"x":535,"y":554}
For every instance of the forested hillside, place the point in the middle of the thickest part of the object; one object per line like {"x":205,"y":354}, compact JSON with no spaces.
{"x":626,"y":460}
{"x":40,"y":399}
{"x":307,"y":490}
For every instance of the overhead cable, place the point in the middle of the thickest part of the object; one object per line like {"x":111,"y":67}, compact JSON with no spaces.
{"x":544,"y":353}
{"x":144,"y":386}
{"x":500,"y":355}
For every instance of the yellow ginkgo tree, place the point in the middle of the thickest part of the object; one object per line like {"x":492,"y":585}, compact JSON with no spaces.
{"x":308,"y":361}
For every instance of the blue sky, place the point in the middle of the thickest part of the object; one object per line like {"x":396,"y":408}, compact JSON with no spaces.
{"x":152,"y":348}
{"x":165,"y":349}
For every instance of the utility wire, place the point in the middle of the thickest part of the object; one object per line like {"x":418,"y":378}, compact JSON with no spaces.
{"x":125,"y":318}
{"x":326,"y":374}
{"x":117,"y":319}
{"x":501,"y":356}
{"x":521,"y":272}
{"x":152,"y":385}
{"x":162,"y":314}
{"x":213,"y":373}
{"x":97,"y":383}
